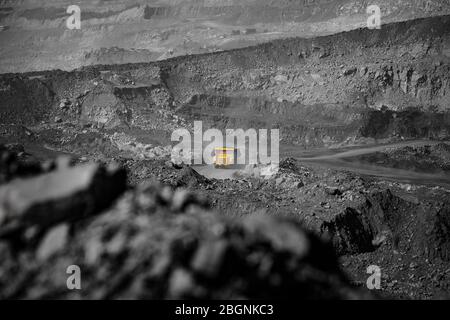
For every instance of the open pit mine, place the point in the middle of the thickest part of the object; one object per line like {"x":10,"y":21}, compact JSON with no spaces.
{"x":97,"y":203}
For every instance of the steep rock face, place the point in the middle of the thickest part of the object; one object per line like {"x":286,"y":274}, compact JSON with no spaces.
{"x":409,"y":123}
{"x":111,"y":105}
{"x":301,"y":124}
{"x":24,"y":101}
{"x":336,"y":87}
{"x":347,"y":88}
{"x":396,"y":58}
{"x":381,"y":216}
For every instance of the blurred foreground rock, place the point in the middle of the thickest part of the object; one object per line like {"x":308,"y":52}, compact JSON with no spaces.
{"x":156,"y":243}
{"x":68,"y":193}
{"x":14,"y":163}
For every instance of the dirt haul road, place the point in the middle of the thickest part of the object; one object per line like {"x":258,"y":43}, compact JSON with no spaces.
{"x":338,"y":161}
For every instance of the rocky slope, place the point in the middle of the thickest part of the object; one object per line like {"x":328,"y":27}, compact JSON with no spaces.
{"x":34,"y":36}
{"x":362,"y":86}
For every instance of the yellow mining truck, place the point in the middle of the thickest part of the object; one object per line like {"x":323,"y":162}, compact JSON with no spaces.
{"x":225,"y":157}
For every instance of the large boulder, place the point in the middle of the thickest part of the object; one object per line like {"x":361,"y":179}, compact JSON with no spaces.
{"x":66,"y":193}
{"x":14,"y":162}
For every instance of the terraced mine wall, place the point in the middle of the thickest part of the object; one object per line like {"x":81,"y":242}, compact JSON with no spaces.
{"x":269,"y":11}
{"x":362,"y":84}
